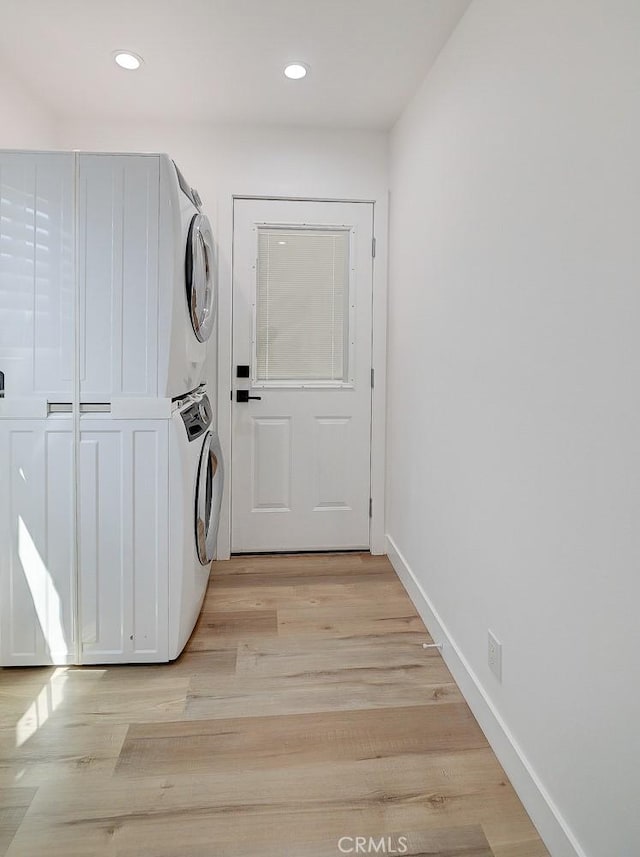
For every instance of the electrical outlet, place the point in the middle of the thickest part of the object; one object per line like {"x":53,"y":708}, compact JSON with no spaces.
{"x":494,"y":656}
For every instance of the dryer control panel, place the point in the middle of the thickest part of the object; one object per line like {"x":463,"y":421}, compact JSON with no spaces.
{"x":197,"y":417}
{"x":191,"y":192}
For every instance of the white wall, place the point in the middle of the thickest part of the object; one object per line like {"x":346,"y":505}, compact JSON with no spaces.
{"x":222,"y":161}
{"x":514,"y":378}
{"x":25,"y":123}
{"x":251,"y":159}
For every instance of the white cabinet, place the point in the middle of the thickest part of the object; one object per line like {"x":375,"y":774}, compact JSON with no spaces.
{"x":37,"y":534}
{"x":94,"y":329}
{"x":112,"y":208}
{"x":97,"y":301}
{"x":123,"y":537}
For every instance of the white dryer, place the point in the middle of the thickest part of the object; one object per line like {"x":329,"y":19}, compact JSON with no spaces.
{"x":191,"y":291}
{"x":107,"y":279}
{"x":196,"y":481}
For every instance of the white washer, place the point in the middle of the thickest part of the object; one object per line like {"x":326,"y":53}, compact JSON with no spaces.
{"x":130,"y":315}
{"x":196,"y":481}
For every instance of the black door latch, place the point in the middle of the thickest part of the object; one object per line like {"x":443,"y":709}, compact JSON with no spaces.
{"x":243,"y":396}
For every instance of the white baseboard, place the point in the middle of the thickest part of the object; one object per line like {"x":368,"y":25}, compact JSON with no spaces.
{"x":546,"y":816}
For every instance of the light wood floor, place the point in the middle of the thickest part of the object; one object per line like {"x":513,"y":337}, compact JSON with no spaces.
{"x":304,"y":710}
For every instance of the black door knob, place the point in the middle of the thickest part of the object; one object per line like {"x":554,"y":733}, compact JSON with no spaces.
{"x":243,"y":396}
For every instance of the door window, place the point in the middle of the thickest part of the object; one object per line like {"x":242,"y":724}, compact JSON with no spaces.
{"x":302,"y":305}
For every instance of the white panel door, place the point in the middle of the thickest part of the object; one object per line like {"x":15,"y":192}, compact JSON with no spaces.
{"x":36,"y":274}
{"x":123,"y":540}
{"x":37,"y":539}
{"x":302,"y":294}
{"x":119,"y":300}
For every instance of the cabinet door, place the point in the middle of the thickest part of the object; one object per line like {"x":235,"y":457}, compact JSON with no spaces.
{"x":36,"y":274}
{"x":123,"y":540}
{"x":118,"y":241}
{"x":36,"y":542}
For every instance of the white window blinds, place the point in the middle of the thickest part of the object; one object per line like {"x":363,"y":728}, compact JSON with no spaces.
{"x":302,"y":304}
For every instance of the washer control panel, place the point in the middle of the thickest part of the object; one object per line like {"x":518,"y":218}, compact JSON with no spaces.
{"x":197,"y":417}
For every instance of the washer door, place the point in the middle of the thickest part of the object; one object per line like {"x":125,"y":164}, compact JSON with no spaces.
{"x":202,"y":288}
{"x":208,"y":497}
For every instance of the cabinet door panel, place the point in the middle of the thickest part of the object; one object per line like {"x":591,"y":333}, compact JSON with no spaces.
{"x":36,"y":274}
{"x":123,"y":536}
{"x":118,"y":276}
{"x":37,"y":537}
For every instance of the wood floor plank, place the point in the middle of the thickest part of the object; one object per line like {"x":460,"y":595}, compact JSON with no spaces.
{"x":135,"y":702}
{"x":221,"y":661}
{"x":389,"y":687}
{"x":25,"y":694}
{"x":378,"y":796}
{"x":59,"y":745}
{"x":216,"y":629}
{"x":274,"y":566}
{"x":14,"y":802}
{"x":390,"y":616}
{"x":39,"y":691}
{"x":288,"y":657}
{"x":530,"y":848}
{"x":118,"y":694}
{"x":380,"y":605}
{"x":311,"y":577}
{"x":468,"y":841}
{"x":282,"y":741}
{"x":513,"y":836}
{"x":343,"y":596}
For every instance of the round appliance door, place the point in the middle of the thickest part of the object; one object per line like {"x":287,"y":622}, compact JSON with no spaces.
{"x":208,"y":497}
{"x":202,"y":288}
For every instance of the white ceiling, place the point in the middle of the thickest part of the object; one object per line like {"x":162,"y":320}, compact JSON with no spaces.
{"x":222,"y":60}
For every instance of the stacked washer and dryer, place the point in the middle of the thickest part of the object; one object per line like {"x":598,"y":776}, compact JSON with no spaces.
{"x":111,"y":472}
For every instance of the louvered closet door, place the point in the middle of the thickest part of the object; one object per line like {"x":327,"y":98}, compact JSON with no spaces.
{"x":302,"y":280}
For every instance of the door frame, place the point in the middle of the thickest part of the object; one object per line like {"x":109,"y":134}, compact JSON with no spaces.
{"x":224,"y":380}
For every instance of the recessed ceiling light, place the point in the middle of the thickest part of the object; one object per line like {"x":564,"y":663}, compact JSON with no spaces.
{"x":296,"y":71}
{"x":125,"y":59}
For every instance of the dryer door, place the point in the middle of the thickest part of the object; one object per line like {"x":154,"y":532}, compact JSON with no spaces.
{"x":202,"y":287}
{"x":209,"y":497}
